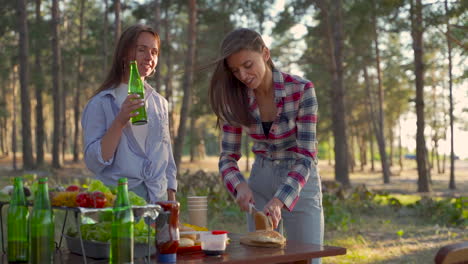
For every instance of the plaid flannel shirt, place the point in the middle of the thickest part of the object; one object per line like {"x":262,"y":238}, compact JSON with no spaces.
{"x":292,"y":136}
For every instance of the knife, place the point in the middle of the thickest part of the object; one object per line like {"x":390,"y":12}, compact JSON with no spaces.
{"x":252,"y":208}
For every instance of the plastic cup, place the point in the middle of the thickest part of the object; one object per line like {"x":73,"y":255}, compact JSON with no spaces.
{"x":198,"y":217}
{"x":197,"y":198}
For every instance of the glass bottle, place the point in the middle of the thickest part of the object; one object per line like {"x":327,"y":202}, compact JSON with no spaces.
{"x":42,"y":229}
{"x":122,"y":227}
{"x":135,"y":86}
{"x":167,"y":235}
{"x":18,"y":229}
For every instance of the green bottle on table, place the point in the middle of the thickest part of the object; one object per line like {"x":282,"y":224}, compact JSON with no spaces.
{"x":121,"y":250}
{"x":135,"y":86}
{"x":42,"y":229}
{"x":18,"y":229}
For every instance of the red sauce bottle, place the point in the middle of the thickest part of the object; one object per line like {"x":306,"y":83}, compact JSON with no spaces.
{"x":167,"y":236}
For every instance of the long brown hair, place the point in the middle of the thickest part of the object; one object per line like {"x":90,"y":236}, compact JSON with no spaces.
{"x":126,"y":44}
{"x":228,"y":96}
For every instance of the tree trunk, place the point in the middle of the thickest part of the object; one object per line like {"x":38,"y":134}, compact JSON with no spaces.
{"x":370,"y":106}
{"x":193,"y":140}
{"x":362,"y":145}
{"x":64,"y":139}
{"x":400,"y":148}
{"x":380,"y":120}
{"x":78,"y":92}
{"x":351,"y":151}
{"x":118,"y":29}
{"x":421,"y":151}
{"x":105,"y":31}
{"x":330,"y":143}
{"x":443,"y":164}
{"x":435,"y":129}
{"x":168,"y":78}
{"x":15,"y":110}
{"x":436,"y":152}
{"x":157,"y":28}
{"x":39,"y":80}
{"x":4,"y":118}
{"x":188,"y":82}
{"x":28,"y":159}
{"x":391,"y":137}
{"x":56,"y":86}
{"x":335,"y":46}
{"x":452,"y":185}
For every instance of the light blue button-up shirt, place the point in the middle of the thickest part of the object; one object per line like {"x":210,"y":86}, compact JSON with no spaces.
{"x":154,"y":167}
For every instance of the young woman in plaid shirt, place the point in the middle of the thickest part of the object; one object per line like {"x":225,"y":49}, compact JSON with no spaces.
{"x":279,"y":112}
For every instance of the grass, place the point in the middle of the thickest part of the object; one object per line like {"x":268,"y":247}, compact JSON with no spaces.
{"x":387,"y":237}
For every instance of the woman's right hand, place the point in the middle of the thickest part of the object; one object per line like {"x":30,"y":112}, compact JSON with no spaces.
{"x":131,"y":103}
{"x":244,"y":196}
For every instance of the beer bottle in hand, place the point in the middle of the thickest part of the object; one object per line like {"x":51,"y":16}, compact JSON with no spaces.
{"x":122,"y":227}
{"x":17,"y":224}
{"x":135,"y":86}
{"x":42,"y":243}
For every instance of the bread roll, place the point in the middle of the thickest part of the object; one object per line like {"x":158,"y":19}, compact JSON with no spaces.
{"x":263,"y":222}
{"x":186,"y":242}
{"x":183,"y":228}
{"x":263,"y":238}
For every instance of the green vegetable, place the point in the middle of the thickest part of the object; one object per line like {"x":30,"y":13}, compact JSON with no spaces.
{"x":97,"y":185}
{"x":101,"y":232}
{"x":141,"y":232}
{"x":97,"y":232}
{"x":135,"y":199}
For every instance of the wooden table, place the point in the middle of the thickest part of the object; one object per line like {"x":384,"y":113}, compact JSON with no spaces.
{"x":235,"y":253}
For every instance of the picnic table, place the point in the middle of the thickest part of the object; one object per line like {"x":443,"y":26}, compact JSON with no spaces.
{"x":235,"y":253}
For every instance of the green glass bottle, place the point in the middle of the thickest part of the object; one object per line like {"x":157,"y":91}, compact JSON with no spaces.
{"x":122,"y":227}
{"x":42,"y":229}
{"x":135,"y":86}
{"x":18,"y":229}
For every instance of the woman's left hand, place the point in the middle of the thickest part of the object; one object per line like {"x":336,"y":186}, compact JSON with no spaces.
{"x":171,"y":195}
{"x":273,"y":209}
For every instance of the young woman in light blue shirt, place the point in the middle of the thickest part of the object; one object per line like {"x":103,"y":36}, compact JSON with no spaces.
{"x":113,"y":147}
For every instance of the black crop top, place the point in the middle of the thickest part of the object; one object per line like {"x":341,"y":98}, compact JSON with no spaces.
{"x":266,"y":128}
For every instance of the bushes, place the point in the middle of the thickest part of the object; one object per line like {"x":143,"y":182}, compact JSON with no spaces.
{"x":448,"y":211}
{"x":342,"y":206}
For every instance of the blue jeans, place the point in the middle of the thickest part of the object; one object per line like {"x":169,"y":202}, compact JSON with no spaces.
{"x":305,"y":223}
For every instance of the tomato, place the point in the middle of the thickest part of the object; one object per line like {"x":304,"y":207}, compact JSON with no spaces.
{"x":73,"y":188}
{"x":83,"y":199}
{"x":99,"y":200}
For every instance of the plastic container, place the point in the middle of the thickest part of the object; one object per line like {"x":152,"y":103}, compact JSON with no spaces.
{"x":213,"y":243}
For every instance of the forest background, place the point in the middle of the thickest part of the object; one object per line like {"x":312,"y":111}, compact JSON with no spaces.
{"x":390,"y":77}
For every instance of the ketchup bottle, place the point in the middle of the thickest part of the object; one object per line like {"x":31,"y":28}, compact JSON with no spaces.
{"x":167,"y":236}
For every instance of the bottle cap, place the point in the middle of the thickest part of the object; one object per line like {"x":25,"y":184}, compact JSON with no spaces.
{"x":43,"y":180}
{"x":123,"y":181}
{"x":167,"y":258}
{"x":18,"y":179}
